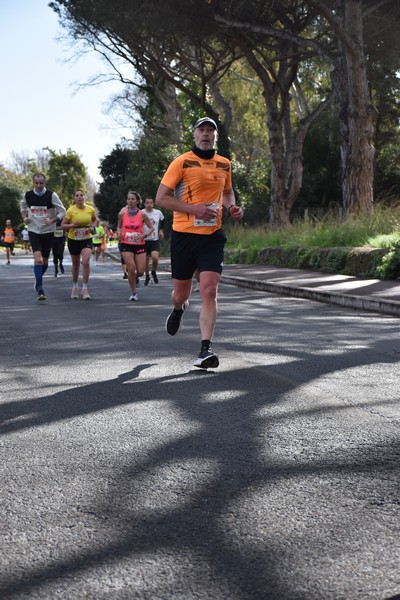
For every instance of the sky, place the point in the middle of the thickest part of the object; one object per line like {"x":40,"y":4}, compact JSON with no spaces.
{"x":39,"y":104}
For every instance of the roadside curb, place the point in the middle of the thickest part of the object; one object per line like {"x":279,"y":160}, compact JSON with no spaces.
{"x":386,"y":307}
{"x":365,"y":303}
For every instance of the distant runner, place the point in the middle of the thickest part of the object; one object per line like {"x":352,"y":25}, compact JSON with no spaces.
{"x":40,"y":209}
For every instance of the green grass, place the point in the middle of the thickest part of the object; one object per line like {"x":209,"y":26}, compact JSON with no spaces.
{"x":378,"y":230}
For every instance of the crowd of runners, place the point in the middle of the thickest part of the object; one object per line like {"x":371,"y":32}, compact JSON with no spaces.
{"x":51,"y":227}
{"x":196,"y":187}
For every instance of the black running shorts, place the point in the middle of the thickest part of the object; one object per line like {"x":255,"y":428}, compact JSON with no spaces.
{"x":152,"y":246}
{"x":191,"y":251}
{"x":41,"y":242}
{"x":134,"y":248}
{"x":75,"y":247}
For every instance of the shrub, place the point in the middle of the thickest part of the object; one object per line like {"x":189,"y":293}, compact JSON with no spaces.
{"x":389,"y":268}
{"x":336,"y":260}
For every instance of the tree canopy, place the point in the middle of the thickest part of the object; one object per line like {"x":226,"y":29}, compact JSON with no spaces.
{"x":304,"y":54}
{"x":66,"y":173}
{"x":10,"y":196}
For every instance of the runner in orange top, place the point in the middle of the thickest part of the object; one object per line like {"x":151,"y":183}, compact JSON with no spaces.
{"x":9,"y":238}
{"x":196,"y":186}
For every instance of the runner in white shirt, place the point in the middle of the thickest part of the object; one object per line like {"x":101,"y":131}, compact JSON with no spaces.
{"x":40,"y":210}
{"x":25,"y":239}
{"x":152,"y":242}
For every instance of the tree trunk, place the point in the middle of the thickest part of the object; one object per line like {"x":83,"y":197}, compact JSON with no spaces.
{"x":286,"y":168}
{"x":356,"y":116}
{"x":286,"y":141}
{"x":279,"y":212}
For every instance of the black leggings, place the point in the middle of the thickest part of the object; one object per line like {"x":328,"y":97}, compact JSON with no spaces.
{"x":58,"y":250}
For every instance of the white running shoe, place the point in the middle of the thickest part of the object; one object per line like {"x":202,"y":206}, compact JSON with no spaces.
{"x":41,"y":295}
{"x":75,"y":293}
{"x":207,"y":360}
{"x":133,"y":298}
{"x":85,"y":294}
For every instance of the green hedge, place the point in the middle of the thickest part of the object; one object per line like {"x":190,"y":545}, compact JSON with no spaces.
{"x":377,"y":263}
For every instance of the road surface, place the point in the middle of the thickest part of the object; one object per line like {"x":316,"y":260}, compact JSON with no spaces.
{"x":126,"y":473}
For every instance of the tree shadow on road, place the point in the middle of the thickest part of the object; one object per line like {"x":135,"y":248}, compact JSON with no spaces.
{"x":197,"y":496}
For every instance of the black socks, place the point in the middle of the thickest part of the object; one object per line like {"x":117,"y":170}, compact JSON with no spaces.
{"x":205,"y":345}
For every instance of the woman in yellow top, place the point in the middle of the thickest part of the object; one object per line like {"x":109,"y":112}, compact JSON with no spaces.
{"x":79,"y":221}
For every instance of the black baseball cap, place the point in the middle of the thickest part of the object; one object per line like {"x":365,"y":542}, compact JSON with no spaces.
{"x":206,"y":121}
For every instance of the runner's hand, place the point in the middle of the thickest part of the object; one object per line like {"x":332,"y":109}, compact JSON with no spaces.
{"x":236,"y":212}
{"x":205,"y":212}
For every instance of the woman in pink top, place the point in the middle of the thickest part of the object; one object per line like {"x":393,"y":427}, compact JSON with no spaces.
{"x":130,"y":233}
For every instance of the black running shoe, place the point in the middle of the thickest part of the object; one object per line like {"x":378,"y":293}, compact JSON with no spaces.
{"x":62,"y":268}
{"x":174,"y":319}
{"x":147,"y":280}
{"x":154,"y":276}
{"x":206,"y":360}
{"x":125,"y":276}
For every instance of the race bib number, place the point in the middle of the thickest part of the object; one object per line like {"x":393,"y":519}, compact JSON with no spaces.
{"x":39,"y":211}
{"x":81,"y":233}
{"x":211,"y":222}
{"x":132,"y":237}
{"x":58,"y":233}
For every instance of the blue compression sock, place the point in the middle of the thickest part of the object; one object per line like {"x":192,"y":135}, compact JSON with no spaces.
{"x":37,"y":269}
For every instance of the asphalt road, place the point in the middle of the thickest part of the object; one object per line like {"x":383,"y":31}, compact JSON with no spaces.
{"x":126,"y":473}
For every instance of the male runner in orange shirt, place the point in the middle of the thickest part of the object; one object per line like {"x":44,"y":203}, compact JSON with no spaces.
{"x":196,"y":186}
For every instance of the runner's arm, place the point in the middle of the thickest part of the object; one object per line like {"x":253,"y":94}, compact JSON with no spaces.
{"x":165,"y":199}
